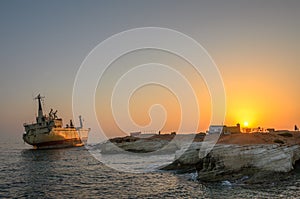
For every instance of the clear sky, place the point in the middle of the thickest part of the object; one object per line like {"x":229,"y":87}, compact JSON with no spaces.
{"x":255,"y":45}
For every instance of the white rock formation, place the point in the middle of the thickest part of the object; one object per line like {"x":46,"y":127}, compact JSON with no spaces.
{"x":229,"y":157}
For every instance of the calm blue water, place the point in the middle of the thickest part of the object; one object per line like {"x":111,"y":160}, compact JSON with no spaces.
{"x":75,"y":173}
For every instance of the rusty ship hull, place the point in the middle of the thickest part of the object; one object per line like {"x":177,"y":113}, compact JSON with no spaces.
{"x":57,"y":138}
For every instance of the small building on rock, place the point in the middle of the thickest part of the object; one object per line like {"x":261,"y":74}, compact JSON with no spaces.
{"x":223,"y":129}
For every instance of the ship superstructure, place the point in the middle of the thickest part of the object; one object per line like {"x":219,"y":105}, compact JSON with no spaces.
{"x":48,"y":131}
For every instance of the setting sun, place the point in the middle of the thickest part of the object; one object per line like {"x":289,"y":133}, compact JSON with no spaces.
{"x":246,"y":123}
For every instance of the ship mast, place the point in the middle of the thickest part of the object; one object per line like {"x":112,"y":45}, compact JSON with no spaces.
{"x":40,"y":110}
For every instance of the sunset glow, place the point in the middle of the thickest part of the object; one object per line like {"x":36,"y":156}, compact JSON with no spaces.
{"x":150,"y":99}
{"x":259,"y":64}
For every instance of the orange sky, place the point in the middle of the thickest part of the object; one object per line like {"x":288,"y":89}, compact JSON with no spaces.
{"x":258,"y":95}
{"x":255,"y":45}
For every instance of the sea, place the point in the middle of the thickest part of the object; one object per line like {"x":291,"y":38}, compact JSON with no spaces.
{"x":77,"y":173}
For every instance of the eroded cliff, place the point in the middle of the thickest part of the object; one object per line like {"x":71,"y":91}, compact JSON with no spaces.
{"x":229,"y":161}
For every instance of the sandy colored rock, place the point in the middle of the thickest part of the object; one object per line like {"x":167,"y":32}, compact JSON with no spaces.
{"x":226,"y":159}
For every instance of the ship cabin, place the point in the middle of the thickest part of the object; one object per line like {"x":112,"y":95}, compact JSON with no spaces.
{"x":43,"y":122}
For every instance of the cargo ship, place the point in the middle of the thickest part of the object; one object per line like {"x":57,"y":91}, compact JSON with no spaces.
{"x":48,"y":131}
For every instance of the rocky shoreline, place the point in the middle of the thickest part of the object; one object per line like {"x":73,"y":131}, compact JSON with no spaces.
{"x":248,"y":163}
{"x":259,"y":159}
{"x":163,"y":143}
